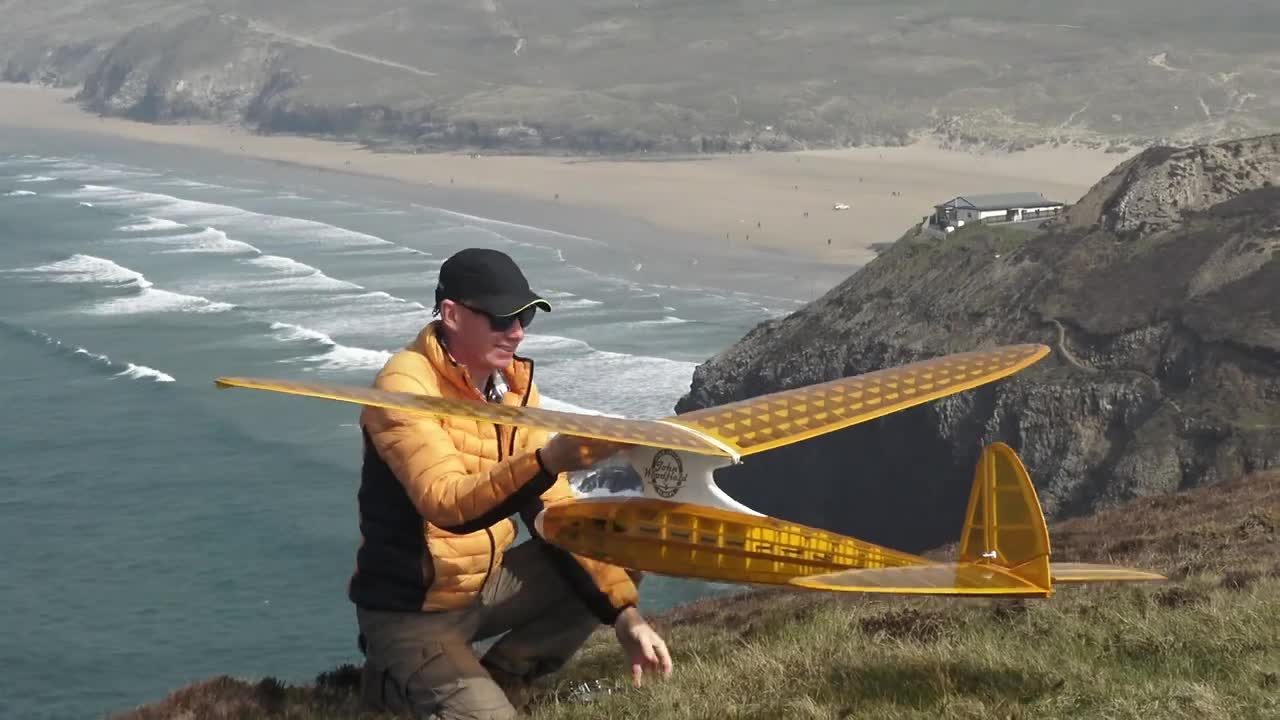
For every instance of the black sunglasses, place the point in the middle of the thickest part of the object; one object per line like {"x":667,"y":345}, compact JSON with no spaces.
{"x":503,"y":323}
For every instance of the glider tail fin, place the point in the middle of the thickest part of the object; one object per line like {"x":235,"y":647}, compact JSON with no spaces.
{"x":1004,"y":548}
{"x":1004,"y":525}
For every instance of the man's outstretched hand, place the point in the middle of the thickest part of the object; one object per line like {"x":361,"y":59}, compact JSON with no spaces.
{"x":642,"y":644}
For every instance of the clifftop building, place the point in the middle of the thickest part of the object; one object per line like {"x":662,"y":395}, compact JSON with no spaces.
{"x":991,"y":208}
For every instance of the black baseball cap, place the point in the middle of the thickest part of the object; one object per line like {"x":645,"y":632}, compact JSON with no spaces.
{"x":486,"y":280}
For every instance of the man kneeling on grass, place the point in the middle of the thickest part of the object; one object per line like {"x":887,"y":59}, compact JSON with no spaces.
{"x":437,"y":496}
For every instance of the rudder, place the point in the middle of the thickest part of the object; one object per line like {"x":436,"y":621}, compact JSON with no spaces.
{"x":1004,"y":525}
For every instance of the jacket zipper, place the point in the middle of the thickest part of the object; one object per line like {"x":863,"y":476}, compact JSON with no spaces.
{"x":497,"y":429}
{"x":524,"y":402}
{"x":493,"y":543}
{"x":493,"y":550}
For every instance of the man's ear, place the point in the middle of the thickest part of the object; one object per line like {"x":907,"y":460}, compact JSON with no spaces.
{"x":449,"y":313}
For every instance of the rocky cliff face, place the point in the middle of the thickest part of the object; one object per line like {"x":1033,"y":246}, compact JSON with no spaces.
{"x":182,"y":73}
{"x":1160,"y":295}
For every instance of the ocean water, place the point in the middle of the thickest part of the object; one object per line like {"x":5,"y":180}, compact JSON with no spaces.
{"x":158,"y":531}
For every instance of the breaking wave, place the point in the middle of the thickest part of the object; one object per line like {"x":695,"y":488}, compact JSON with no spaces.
{"x":335,"y":355}
{"x":81,"y":268}
{"x":129,"y":370}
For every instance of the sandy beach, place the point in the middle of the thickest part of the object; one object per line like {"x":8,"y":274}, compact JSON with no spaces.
{"x":779,"y":202}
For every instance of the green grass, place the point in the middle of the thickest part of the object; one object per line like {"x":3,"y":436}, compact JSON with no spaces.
{"x":919,"y":255}
{"x":1192,"y":649}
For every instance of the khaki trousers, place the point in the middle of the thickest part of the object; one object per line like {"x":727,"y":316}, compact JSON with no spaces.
{"x":422,"y":663}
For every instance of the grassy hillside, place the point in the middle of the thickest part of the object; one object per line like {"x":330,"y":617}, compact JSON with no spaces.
{"x":1206,"y":644}
{"x":667,"y":75}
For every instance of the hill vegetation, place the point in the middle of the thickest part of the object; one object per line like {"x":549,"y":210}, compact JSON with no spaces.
{"x":1206,"y":644}
{"x":667,"y":75}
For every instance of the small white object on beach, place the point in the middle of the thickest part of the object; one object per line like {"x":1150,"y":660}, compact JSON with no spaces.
{"x":638,"y":266}
{"x":840,"y":206}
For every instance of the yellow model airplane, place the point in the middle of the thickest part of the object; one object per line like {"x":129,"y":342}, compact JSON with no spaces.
{"x":686,"y":526}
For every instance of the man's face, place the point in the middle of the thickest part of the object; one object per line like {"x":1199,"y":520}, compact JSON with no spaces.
{"x":474,"y":342}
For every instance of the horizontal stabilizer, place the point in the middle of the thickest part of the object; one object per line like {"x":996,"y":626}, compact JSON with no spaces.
{"x":1091,"y":572}
{"x":959,"y":578}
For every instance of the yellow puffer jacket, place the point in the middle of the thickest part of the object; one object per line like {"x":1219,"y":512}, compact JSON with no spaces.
{"x":437,"y":496}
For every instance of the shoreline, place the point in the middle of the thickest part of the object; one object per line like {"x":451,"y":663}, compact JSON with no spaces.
{"x":735,"y":216}
{"x":599,"y":241}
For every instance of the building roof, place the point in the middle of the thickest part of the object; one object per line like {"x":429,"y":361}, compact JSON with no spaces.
{"x":1000,"y":201}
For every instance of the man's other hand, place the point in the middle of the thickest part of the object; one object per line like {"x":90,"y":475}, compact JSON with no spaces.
{"x":567,"y":453}
{"x":642,"y":644}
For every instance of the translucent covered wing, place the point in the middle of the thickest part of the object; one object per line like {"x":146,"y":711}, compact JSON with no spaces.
{"x":781,"y":418}
{"x":1090,"y":572}
{"x":702,"y":542}
{"x":934,"y":579}
{"x":637,"y":432}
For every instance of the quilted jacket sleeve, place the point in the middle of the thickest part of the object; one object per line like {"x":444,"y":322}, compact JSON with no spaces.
{"x":606,"y":589}
{"x":423,"y":457}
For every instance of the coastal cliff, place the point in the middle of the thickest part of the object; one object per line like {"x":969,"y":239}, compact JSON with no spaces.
{"x":1159,"y":293}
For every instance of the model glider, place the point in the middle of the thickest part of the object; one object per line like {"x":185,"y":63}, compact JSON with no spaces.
{"x":686,"y":526}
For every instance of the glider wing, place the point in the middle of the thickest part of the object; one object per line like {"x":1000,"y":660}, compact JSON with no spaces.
{"x":739,"y":428}
{"x":636,"y":432}
{"x":781,"y":418}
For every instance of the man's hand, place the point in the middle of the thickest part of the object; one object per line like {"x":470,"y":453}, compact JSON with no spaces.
{"x":567,"y":453}
{"x":642,"y":644}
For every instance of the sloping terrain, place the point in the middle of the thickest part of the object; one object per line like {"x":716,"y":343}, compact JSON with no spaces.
{"x":666,"y":75}
{"x":1206,"y":644}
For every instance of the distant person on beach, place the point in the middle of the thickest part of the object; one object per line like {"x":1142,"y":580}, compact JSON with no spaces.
{"x":435,"y":570}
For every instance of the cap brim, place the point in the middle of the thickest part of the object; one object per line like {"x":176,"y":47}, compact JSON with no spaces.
{"x":508,"y":305}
